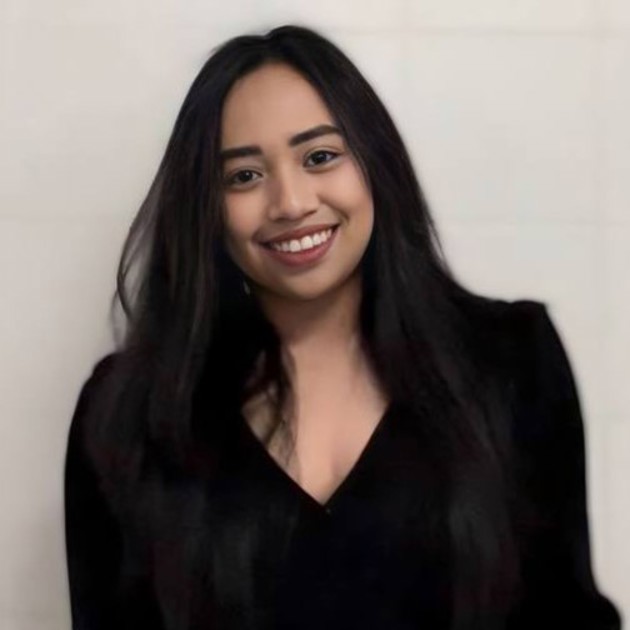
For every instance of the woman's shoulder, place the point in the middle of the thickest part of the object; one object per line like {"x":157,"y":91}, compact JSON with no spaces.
{"x":508,"y":330}
{"x":100,"y":435}
{"x":525,"y":334}
{"x":90,"y":389}
{"x":537,"y":375}
{"x":505,"y":319}
{"x":521,"y":342}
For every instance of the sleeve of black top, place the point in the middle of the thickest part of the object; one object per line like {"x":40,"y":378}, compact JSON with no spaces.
{"x":104,"y":593}
{"x":561,"y":591}
{"x":93,"y":539}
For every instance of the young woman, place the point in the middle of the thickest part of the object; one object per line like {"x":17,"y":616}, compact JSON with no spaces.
{"x":310,"y":423}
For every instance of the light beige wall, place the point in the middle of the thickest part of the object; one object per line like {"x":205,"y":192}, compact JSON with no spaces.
{"x":516,"y":114}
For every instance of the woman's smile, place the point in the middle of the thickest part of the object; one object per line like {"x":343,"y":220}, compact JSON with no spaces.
{"x":306,"y":251}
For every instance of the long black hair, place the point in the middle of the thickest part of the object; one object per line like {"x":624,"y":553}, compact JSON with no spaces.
{"x":193,"y":331}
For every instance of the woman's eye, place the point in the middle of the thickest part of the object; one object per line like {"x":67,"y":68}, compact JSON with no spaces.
{"x":321,"y":157}
{"x":241,"y":178}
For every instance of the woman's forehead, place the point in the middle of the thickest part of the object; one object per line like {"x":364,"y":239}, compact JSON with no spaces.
{"x":270,"y":103}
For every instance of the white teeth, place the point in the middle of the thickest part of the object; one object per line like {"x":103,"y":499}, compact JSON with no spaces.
{"x":307,"y":242}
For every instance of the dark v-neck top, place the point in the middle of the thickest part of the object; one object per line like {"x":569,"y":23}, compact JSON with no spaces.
{"x":371,"y":556}
{"x":354,"y":559}
{"x":255,"y":449}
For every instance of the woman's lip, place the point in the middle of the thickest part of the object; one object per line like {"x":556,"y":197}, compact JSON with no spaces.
{"x":300,"y":234}
{"x":306,"y":257}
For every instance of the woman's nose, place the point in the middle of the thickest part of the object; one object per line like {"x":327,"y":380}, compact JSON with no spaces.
{"x":292,"y":195}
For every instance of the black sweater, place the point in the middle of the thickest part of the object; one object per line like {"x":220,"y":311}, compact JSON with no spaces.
{"x":357,"y":561}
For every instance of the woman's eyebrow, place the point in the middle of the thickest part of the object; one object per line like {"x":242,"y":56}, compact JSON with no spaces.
{"x":315,"y":132}
{"x":298,"y":138}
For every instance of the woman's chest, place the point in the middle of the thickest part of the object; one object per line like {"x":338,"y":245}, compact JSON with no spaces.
{"x":323,"y":444}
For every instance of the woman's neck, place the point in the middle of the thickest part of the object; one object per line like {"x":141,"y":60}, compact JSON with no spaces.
{"x":320,"y":333}
{"x":331,"y":376}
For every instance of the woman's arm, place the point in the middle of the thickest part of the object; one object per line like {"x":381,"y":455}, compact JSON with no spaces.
{"x":93,"y":538}
{"x":106,"y":593}
{"x":559,"y":587}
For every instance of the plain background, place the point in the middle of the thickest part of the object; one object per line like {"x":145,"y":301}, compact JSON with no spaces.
{"x":516,"y":113}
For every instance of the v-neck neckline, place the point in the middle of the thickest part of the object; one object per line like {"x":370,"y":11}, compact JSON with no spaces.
{"x":361,"y":461}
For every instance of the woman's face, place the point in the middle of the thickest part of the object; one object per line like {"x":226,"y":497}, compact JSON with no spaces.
{"x":285,"y":168}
